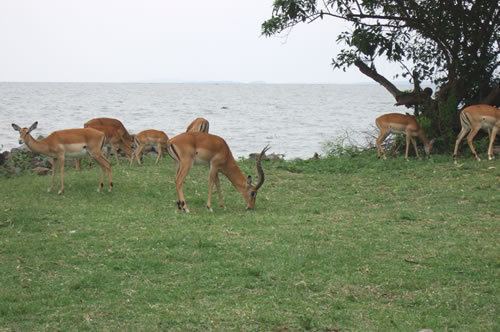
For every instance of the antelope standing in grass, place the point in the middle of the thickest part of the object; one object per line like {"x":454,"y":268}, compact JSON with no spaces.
{"x":189,"y":147}
{"x":401,"y":124}
{"x":115,"y":132}
{"x":476,"y":117}
{"x":68,"y":143}
{"x":150,"y":137}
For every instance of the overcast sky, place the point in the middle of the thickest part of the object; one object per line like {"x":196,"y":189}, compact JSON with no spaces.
{"x":162,"y":40}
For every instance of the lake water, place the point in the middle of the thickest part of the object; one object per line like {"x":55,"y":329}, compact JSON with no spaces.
{"x":295,"y":119}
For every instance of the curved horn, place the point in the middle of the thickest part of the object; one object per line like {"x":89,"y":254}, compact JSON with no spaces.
{"x":260,"y":171}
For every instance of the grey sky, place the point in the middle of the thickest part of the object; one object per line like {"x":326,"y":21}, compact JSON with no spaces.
{"x":162,"y":40}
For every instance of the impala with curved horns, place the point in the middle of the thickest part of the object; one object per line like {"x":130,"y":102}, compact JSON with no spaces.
{"x":186,"y":148}
{"x":149,"y":137}
{"x":401,"y":124}
{"x":68,"y":143}
{"x":476,"y":117}
{"x":198,"y":125}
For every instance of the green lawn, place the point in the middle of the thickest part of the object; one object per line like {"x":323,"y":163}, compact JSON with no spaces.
{"x":340,"y":243}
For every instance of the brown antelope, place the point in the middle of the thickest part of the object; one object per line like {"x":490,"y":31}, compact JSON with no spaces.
{"x":186,"y":148}
{"x":67,"y":143}
{"x":401,"y":124}
{"x":198,"y":125}
{"x":476,"y":117}
{"x":150,"y":136}
{"x":116,"y":136}
{"x":119,"y":134}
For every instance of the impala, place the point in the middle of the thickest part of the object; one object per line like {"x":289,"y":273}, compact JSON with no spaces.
{"x":401,"y":124}
{"x":115,"y":131}
{"x":476,"y":117}
{"x":116,"y":136}
{"x":189,"y":147}
{"x":150,"y":136}
{"x":198,"y":124}
{"x":68,"y":143}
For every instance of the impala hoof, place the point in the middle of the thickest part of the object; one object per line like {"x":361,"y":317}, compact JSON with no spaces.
{"x":60,"y":192}
{"x":210,"y":209}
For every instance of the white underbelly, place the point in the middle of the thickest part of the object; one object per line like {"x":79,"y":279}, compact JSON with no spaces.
{"x":75,"y":150}
{"x":76,"y":154}
{"x":487,"y":125}
{"x":198,"y":161}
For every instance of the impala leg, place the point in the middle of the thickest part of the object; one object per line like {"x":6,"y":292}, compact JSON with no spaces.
{"x":460,"y":137}
{"x":493,"y":135}
{"x":105,"y":169}
{"x":182,"y":171}
{"x":61,"y":168}
{"x":219,"y":190}
{"x":470,"y":138}
{"x":380,"y":139}
{"x":211,"y":184}
{"x":53,"y":163}
{"x":158,"y":151}
{"x":140,"y":154}
{"x":135,"y":155}
{"x":115,"y":151}
{"x":78,"y":164}
{"x":414,"y":143}
{"x":408,"y":139}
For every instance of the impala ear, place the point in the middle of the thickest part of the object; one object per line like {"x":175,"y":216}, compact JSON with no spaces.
{"x":249,"y":180}
{"x":16,"y":127}
{"x":33,"y":126}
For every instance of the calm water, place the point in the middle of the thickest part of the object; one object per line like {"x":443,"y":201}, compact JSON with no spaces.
{"x":293,"y":119}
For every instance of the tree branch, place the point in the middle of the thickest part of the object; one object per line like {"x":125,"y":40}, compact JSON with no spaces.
{"x":415,"y":97}
{"x":374,"y":75}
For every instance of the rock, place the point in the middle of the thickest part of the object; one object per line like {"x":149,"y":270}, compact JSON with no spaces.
{"x":41,"y":170}
{"x":4,"y":156}
{"x":272,"y":156}
{"x":40,"y":161}
{"x":275,"y":156}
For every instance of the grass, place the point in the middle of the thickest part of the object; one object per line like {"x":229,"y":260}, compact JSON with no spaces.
{"x":348,"y":243}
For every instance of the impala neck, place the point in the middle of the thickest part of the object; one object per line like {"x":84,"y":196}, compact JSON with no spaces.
{"x":236,"y":176}
{"x":422,"y":136}
{"x":35,"y":145}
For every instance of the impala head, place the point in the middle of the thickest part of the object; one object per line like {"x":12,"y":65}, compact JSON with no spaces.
{"x":23,"y":132}
{"x":251,"y":189}
{"x":428,"y":146}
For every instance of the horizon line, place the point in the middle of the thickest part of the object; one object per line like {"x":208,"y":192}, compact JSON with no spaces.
{"x":227,"y":82}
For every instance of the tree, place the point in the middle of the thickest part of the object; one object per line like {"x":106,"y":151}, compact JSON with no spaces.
{"x":452,"y":43}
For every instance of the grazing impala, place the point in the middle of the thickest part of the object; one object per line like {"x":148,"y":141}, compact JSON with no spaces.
{"x":476,"y":117}
{"x":189,"y":147}
{"x":401,"y":124}
{"x":198,"y":125}
{"x":67,"y":143}
{"x":150,"y":136}
{"x":116,"y":133}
